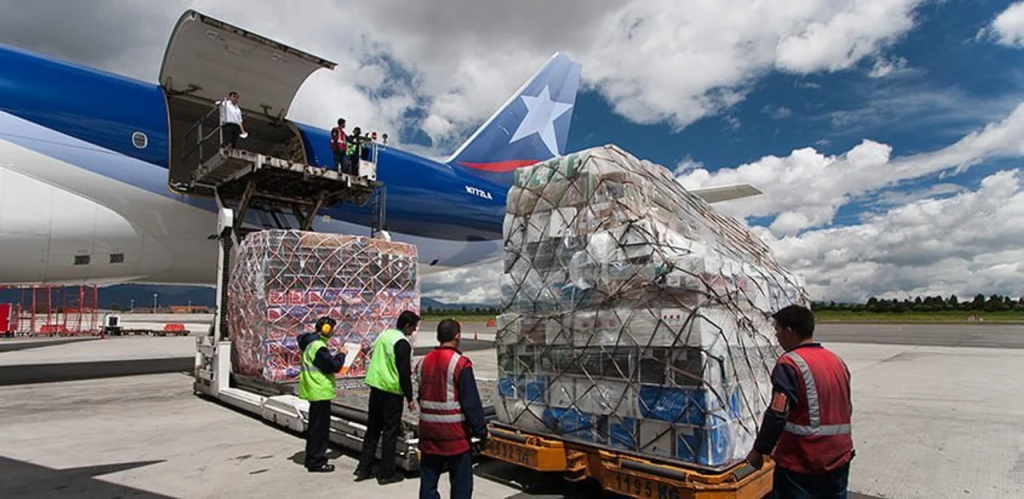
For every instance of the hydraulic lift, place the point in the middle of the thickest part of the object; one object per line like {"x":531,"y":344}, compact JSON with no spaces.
{"x":240,"y":181}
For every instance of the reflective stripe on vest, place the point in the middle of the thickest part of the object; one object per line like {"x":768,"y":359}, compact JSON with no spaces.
{"x":354,"y":147}
{"x":314,"y":384}
{"x":337,"y":139}
{"x":818,"y":436}
{"x":442,"y":430}
{"x":451,"y":403}
{"x":813,"y":405}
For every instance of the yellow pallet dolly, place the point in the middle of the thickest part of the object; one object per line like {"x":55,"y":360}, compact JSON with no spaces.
{"x":625,"y":474}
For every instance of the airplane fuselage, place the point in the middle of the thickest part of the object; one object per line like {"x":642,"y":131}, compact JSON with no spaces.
{"x":92,"y":163}
{"x":84,"y":158}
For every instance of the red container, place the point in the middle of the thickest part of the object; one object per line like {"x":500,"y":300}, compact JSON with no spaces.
{"x":8,"y":322}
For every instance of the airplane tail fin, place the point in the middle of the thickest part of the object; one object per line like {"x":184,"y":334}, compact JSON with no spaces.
{"x":532,"y":126}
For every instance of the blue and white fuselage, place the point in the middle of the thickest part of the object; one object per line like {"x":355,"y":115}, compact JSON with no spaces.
{"x":85,"y":158}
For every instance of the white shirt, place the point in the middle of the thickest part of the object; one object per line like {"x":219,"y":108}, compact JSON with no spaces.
{"x":230,"y":113}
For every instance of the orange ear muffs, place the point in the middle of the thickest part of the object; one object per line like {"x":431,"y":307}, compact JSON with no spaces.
{"x":326,"y":328}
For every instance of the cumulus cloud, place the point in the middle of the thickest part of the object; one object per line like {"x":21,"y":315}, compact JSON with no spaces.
{"x":1008,"y":26}
{"x":804,"y":190}
{"x":654,"y":60}
{"x":898,"y":198}
{"x":965,"y":244}
{"x":885,"y":67}
{"x":679,"y":61}
{"x":846,"y":35}
{"x":478,"y":284}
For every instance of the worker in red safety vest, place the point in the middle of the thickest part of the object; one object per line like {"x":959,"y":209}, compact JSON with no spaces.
{"x":450,"y":414}
{"x":338,"y":146}
{"x":807,"y":426}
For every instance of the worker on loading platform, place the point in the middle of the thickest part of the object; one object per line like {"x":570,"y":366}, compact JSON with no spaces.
{"x":316,"y":384}
{"x":450,"y":412}
{"x":389,"y":378}
{"x":809,"y":415}
{"x":338,"y":145}
{"x":231,"y":120}
{"x":355,"y":150}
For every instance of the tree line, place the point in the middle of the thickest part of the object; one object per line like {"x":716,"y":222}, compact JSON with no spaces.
{"x":980,"y":303}
{"x":462,"y":310}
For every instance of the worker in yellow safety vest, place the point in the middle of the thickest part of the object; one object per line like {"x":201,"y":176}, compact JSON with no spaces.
{"x":316,"y":384}
{"x":390,"y":379}
{"x":354,"y":150}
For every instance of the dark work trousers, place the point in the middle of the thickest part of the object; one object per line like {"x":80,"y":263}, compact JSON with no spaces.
{"x":339,"y":161}
{"x":231,"y":131}
{"x":793,"y":485}
{"x":353,"y":164}
{"x":318,"y":433}
{"x":385,"y":416}
{"x":460,"y":475}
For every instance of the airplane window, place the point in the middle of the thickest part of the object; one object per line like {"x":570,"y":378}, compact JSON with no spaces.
{"x":117,"y":258}
{"x":81,"y":259}
{"x":139,"y":140}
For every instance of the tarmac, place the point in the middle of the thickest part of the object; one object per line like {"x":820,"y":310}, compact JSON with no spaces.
{"x":937,"y":335}
{"x":938,"y":412}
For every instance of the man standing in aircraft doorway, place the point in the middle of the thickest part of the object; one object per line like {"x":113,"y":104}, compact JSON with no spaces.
{"x":338,"y":146}
{"x":231,"y":120}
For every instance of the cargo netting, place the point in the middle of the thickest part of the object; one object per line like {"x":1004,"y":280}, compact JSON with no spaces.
{"x":634,"y":316}
{"x":282,"y":281}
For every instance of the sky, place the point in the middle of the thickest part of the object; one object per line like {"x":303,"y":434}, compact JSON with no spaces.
{"x":886,"y":135}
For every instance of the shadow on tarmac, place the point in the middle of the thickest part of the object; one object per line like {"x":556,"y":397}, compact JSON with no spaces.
{"x":21,"y":479}
{"x":28,"y":345}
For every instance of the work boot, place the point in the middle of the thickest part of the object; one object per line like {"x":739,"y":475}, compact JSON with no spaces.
{"x":327,"y":468}
{"x":397,"y":477}
{"x":362,"y":475}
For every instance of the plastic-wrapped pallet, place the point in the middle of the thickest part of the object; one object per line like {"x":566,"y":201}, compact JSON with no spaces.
{"x":634,"y":316}
{"x":283,"y":280}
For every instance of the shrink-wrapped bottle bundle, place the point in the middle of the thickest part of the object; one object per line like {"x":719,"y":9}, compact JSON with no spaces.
{"x":634,"y":316}
{"x":282,"y":281}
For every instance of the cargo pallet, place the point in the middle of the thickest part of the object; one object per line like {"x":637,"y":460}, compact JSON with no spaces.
{"x":623,"y":473}
{"x":241,"y":182}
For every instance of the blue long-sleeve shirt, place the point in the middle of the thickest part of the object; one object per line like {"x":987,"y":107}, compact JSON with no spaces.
{"x":784,"y":381}
{"x":323,"y":360}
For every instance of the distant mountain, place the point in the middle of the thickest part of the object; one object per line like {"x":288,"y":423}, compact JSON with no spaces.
{"x":123,"y":295}
{"x":430,"y":303}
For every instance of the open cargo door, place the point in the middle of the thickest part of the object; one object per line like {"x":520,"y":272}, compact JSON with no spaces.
{"x":207,"y":58}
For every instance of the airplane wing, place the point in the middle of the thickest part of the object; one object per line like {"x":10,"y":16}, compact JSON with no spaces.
{"x":725,"y":192}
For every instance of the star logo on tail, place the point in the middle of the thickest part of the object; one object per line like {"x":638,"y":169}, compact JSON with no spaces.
{"x":542,"y":111}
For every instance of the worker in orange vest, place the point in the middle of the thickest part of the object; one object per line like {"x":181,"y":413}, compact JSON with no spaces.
{"x":450,"y":413}
{"x":338,"y":146}
{"x":807,"y":427}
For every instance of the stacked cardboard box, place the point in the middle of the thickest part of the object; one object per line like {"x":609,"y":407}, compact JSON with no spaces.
{"x":634,"y":316}
{"x":282,"y":281}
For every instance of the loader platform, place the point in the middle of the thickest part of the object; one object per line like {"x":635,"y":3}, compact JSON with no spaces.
{"x":624,"y":473}
{"x":269,"y":178}
{"x":279,"y":404}
{"x":229,"y":172}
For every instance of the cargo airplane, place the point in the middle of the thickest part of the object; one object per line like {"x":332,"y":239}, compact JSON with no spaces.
{"x":86,"y":159}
